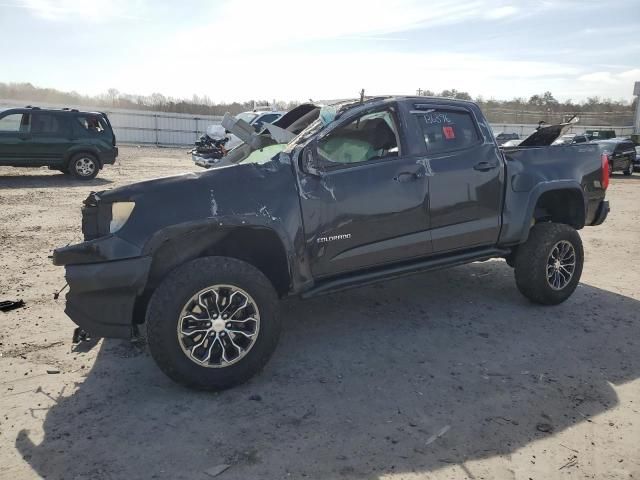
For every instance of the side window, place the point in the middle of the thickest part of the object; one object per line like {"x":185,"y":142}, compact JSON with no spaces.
{"x":91,"y":124}
{"x":46,"y":123}
{"x":446,"y":130}
{"x":15,"y":122}
{"x":370,"y":137}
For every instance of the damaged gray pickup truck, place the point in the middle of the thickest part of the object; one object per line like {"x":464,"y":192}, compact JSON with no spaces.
{"x":325,"y":199}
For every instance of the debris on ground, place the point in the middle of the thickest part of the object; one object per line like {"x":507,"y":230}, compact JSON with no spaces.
{"x":7,"y":305}
{"x":442,"y":431}
{"x":544,"y":427}
{"x":217,"y":470}
{"x":56,"y":295}
{"x":79,"y":335}
{"x":572,"y":462}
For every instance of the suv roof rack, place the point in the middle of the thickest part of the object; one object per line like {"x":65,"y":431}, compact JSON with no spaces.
{"x":32,"y":108}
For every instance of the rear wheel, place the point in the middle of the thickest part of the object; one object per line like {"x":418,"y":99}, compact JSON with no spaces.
{"x":84,"y":166}
{"x":213,"y":323}
{"x":629,"y":169}
{"x":549,"y":264}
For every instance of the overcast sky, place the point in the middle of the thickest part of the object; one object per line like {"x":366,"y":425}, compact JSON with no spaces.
{"x":297,"y":49}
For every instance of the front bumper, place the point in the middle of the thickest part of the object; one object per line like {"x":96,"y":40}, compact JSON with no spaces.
{"x":102,"y":295}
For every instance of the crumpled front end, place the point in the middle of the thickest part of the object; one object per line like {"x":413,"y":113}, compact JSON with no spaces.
{"x":102,"y":296}
{"x":105,"y":274}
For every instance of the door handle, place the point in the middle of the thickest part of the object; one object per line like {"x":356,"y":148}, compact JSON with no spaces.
{"x":484,"y":166}
{"x":405,"y":177}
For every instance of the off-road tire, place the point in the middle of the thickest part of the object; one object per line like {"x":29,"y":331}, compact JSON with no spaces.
{"x":76,"y":172}
{"x":532,"y":258}
{"x":173,"y":293}
{"x":629,"y":171}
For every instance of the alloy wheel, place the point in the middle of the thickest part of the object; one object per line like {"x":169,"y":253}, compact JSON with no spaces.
{"x":561,"y":265}
{"x":218,"y":326}
{"x":85,"y":166}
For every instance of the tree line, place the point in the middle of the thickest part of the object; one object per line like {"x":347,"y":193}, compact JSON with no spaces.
{"x":592,"y":111}
{"x":544,"y":106}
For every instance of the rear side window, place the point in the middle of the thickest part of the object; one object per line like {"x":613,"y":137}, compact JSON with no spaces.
{"x":15,"y":122}
{"x":46,"y":123}
{"x":92,"y":124}
{"x":445,"y":130}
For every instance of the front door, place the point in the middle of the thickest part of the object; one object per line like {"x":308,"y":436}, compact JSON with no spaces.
{"x":466,"y":183}
{"x":368,"y":206}
{"x":14,"y":139}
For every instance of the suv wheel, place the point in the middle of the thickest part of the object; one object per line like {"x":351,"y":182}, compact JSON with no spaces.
{"x":213,"y":323}
{"x":549,"y":264}
{"x":83,"y":166}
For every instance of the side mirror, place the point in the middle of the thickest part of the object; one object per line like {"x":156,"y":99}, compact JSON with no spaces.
{"x":309,"y":160}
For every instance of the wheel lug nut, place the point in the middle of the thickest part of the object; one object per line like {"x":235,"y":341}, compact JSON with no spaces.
{"x":224,"y":317}
{"x":228,"y":325}
{"x":222,"y":334}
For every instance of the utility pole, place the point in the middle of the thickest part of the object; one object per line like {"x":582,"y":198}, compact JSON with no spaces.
{"x":636,"y":123}
{"x":419,"y":92}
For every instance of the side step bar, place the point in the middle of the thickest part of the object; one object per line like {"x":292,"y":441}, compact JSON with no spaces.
{"x":368,"y":277}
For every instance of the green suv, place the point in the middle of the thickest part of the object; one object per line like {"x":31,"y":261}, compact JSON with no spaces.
{"x":74,"y":142}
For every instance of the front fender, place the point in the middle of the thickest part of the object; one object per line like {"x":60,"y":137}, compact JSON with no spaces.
{"x":177,"y":244}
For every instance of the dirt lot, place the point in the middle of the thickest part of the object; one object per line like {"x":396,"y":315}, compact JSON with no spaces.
{"x":447,"y":375}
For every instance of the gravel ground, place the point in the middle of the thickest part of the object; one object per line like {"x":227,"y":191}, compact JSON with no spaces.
{"x":447,"y":375}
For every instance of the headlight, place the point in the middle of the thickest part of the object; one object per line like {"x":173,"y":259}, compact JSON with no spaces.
{"x":120,"y":213}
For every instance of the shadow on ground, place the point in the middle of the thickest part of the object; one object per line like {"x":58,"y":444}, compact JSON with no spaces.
{"x":361,"y":383}
{"x":48,"y":180}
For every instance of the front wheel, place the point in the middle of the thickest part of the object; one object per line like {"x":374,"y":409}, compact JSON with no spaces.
{"x":549,"y":264}
{"x":213,"y":323}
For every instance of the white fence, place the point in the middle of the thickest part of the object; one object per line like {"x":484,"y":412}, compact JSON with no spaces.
{"x":156,"y":128}
{"x":525,"y":130}
{"x":140,"y":127}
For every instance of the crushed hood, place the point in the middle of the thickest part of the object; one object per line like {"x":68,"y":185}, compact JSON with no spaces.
{"x":281,"y":131}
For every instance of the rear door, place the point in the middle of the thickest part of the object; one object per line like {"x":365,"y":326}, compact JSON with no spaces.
{"x":14,"y":138}
{"x":466,"y":183}
{"x":51,"y":137}
{"x":368,"y":205}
